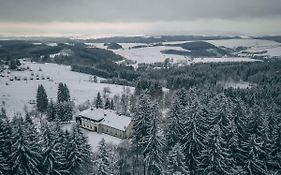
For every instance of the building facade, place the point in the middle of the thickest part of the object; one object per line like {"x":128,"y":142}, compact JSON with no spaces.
{"x":105,"y":121}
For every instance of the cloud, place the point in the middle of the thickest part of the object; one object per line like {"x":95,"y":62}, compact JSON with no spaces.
{"x":135,"y":10}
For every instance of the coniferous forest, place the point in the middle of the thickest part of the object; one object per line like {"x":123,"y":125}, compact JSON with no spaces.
{"x":202,"y":129}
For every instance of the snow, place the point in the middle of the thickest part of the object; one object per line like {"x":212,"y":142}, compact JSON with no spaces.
{"x":64,"y":52}
{"x":52,"y":44}
{"x":94,"y":138}
{"x":96,"y":45}
{"x":223,"y":59}
{"x":110,"y":118}
{"x":149,"y":54}
{"x":18,"y":93}
{"x":254,"y":45}
{"x":235,"y":85}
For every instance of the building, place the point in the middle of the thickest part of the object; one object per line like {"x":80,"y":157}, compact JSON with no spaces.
{"x":105,"y":121}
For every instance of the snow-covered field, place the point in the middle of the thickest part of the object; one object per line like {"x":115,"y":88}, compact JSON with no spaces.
{"x":153,"y":54}
{"x":254,"y":45}
{"x":149,"y":54}
{"x":18,"y":93}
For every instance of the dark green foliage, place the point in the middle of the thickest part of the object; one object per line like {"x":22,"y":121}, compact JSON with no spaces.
{"x":13,"y":65}
{"x":176,"y":161}
{"x":175,"y":128}
{"x":78,"y":153}
{"x":107,"y":104}
{"x":98,"y":101}
{"x":41,"y":99}
{"x":25,"y":158}
{"x":141,"y":122}
{"x":5,"y":142}
{"x":51,"y":111}
{"x":64,"y":111}
{"x":104,"y":163}
{"x":53,"y":162}
{"x":153,"y":88}
{"x":63,"y":93}
{"x":154,"y":149}
{"x":216,"y":158}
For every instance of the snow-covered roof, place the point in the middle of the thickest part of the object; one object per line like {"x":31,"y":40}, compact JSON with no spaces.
{"x":92,"y":113}
{"x":108,"y":117}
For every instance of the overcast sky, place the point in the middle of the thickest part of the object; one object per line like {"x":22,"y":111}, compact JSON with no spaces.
{"x":139,"y":17}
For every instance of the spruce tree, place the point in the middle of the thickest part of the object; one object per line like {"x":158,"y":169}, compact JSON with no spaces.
{"x":53,"y":162}
{"x":78,"y":153}
{"x":98,"y":101}
{"x":176,"y":161}
{"x":175,"y":129}
{"x":104,"y":163}
{"x":24,"y":158}
{"x":154,"y":150}
{"x":51,"y":111}
{"x":64,"y":111}
{"x":66,"y":93}
{"x":41,"y":99}
{"x":141,"y":122}
{"x":107,"y":104}
{"x":112,"y":104}
{"x":216,"y":158}
{"x":63,"y":93}
{"x":253,"y":148}
{"x":5,"y":142}
{"x":195,"y":126}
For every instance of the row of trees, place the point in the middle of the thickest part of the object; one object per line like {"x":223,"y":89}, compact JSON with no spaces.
{"x":25,"y":150}
{"x":62,"y":110}
{"x":207,"y":133}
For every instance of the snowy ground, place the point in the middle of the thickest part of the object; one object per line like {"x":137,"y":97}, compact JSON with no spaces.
{"x":254,"y":45}
{"x":18,"y":93}
{"x":153,"y":54}
{"x":94,"y":138}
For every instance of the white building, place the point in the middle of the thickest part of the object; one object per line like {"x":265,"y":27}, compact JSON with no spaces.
{"x":105,"y":121}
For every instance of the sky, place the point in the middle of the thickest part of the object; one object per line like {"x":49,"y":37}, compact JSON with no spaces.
{"x":98,"y":18}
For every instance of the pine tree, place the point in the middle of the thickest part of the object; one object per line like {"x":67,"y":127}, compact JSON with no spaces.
{"x":176,"y":161}
{"x":216,"y":158}
{"x":78,"y":153}
{"x":98,"y":101}
{"x":51,"y":111}
{"x":107,"y":104}
{"x":153,"y":152}
{"x":41,"y":99}
{"x":24,"y":158}
{"x":104,"y":163}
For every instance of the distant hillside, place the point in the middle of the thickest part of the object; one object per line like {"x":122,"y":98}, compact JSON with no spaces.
{"x":113,"y":46}
{"x":78,"y":52}
{"x":197,"y":49}
{"x":272,"y":38}
{"x":151,"y":39}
